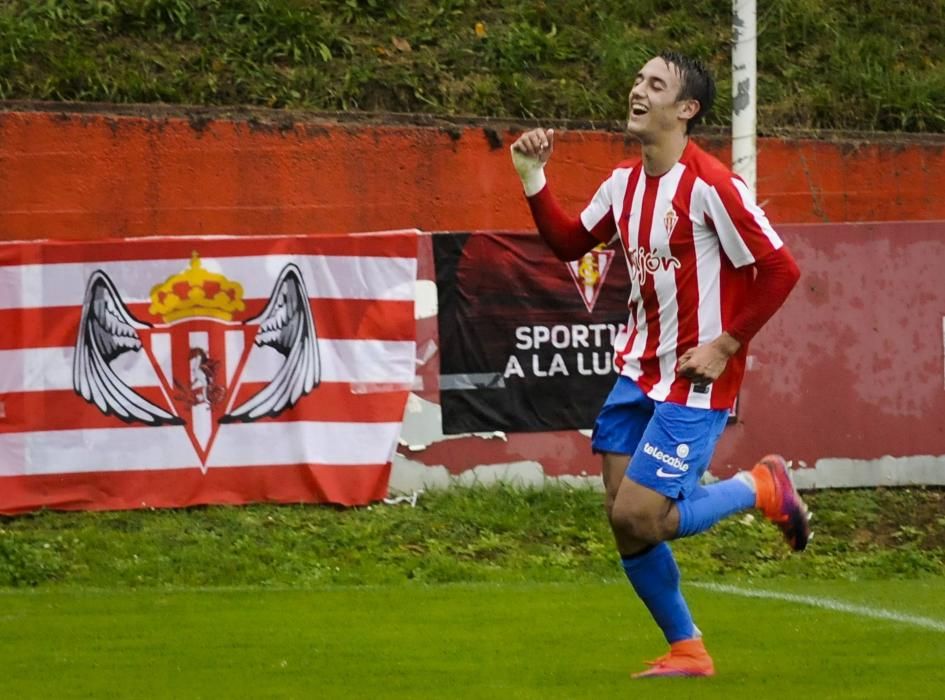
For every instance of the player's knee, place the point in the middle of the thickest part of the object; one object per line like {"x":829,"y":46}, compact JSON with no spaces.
{"x":640,"y":523}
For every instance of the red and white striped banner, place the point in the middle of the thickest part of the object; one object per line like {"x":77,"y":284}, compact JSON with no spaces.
{"x":180,"y":371}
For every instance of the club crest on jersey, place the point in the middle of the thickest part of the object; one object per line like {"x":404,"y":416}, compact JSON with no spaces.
{"x":589,"y":273}
{"x":669,"y":220}
{"x":197,"y":353}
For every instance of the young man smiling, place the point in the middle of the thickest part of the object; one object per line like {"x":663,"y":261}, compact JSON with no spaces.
{"x":707,"y":271}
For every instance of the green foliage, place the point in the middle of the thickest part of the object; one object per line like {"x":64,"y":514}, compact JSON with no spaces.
{"x":469,"y":534}
{"x":26,"y":561}
{"x":866,"y":65}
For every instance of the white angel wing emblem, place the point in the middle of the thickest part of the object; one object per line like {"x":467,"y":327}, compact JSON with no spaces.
{"x":286,"y":325}
{"x":107,"y":329}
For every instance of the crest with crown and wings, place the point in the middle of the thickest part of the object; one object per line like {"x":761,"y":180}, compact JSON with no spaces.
{"x":198,"y":353}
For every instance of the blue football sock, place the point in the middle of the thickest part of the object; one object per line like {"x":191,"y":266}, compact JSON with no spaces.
{"x":655,"y":577}
{"x":709,"y":504}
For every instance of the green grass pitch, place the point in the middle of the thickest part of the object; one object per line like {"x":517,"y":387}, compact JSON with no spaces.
{"x":579,"y":640}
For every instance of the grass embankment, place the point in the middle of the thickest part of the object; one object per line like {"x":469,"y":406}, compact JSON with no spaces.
{"x":464,"y":535}
{"x":866,"y":65}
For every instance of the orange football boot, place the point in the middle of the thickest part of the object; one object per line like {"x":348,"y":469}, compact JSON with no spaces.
{"x":687,"y":658}
{"x":779,"y":500}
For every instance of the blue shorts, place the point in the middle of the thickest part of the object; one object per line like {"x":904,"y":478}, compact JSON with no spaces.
{"x":671,"y":445}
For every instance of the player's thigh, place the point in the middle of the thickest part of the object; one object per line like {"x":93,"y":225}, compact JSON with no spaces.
{"x":613,"y":468}
{"x":618,"y":429}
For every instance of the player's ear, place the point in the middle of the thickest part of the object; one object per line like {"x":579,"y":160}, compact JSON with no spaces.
{"x":688,"y":109}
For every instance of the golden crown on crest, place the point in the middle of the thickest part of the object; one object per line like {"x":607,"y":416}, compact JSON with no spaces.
{"x":196,"y":292}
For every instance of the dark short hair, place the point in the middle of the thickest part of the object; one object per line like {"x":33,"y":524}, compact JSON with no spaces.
{"x":697,"y":84}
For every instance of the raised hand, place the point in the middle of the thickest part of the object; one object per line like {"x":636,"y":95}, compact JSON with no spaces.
{"x":532,"y":150}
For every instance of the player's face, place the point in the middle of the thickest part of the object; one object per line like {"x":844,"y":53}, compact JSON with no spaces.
{"x":654,"y":105}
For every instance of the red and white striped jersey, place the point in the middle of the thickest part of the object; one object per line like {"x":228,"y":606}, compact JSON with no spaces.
{"x":690,"y":237}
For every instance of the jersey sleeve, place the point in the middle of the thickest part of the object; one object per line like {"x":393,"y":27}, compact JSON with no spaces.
{"x":777,"y":274}
{"x":743,"y":229}
{"x":597,"y":217}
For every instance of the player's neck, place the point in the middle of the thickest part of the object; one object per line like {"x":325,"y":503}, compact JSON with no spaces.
{"x":661,"y":155}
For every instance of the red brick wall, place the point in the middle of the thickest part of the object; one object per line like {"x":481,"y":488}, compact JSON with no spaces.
{"x":87,"y":175}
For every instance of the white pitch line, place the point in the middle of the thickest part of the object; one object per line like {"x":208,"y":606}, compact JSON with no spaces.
{"x":827,"y":604}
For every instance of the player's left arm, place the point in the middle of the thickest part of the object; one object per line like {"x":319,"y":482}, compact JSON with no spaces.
{"x":747,"y":239}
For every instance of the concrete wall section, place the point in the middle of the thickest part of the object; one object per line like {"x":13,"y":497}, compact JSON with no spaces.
{"x":852,"y":365}
{"x":850,"y":369}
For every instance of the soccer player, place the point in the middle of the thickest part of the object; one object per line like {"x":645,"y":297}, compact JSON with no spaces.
{"x":707,"y":271}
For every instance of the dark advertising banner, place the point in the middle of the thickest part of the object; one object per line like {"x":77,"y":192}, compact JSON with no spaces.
{"x":526,"y":340}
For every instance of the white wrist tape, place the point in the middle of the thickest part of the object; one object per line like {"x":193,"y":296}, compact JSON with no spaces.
{"x":533,"y":181}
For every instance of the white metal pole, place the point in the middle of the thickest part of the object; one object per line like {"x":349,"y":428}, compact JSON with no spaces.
{"x":744,"y":80}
